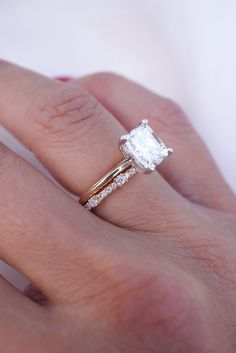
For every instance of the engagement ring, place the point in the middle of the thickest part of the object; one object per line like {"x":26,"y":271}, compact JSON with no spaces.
{"x":143,"y":151}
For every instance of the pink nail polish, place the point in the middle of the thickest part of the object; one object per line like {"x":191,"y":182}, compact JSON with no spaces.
{"x":64,"y":78}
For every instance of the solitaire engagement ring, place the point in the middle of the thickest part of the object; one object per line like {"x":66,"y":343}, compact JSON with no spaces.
{"x":143,"y":151}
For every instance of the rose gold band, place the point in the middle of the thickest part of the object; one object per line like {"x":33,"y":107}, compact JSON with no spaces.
{"x":104,"y":181}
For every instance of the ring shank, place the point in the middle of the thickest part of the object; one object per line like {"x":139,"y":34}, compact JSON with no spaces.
{"x":119,"y":168}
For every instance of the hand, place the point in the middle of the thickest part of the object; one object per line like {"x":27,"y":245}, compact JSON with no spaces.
{"x":154,"y":270}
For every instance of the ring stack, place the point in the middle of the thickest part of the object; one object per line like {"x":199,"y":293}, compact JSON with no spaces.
{"x":143,"y":151}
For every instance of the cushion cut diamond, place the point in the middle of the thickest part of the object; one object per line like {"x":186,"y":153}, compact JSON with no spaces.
{"x":144,"y":147}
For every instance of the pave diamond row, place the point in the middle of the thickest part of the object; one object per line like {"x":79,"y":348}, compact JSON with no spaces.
{"x":118,"y":182}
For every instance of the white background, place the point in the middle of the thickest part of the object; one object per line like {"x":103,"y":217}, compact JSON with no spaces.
{"x":183,"y":49}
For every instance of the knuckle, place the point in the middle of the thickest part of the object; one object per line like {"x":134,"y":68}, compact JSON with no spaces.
{"x":153,"y":310}
{"x":64,"y":111}
{"x":100,"y":84}
{"x":165,"y":111}
{"x":170,"y":116}
{"x":100,"y":77}
{"x":216,"y":256}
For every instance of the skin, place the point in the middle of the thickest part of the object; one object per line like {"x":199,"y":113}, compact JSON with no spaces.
{"x":153,"y":269}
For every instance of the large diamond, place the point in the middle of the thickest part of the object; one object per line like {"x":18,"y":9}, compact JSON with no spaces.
{"x":144,"y":147}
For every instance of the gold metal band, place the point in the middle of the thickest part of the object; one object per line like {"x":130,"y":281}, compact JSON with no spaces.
{"x":107,"y":179}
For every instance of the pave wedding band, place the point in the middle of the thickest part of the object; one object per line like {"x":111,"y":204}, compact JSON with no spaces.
{"x":143,"y":151}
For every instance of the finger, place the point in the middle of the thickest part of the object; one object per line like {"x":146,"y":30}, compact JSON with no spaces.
{"x":77,"y":140}
{"x":192,"y":171}
{"x":42,"y":228}
{"x":64,"y":251}
{"x":68,"y":254}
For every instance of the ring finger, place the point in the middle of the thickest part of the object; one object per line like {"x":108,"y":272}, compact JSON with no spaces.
{"x":77,"y":139}
{"x":192,"y":172}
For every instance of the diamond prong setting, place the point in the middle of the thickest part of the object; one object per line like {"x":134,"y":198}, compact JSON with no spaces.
{"x":143,"y":151}
{"x":123,"y":138}
{"x":144,"y":122}
{"x":144,"y":147}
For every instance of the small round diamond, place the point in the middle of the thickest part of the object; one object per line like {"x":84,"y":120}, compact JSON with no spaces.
{"x":133,"y":171}
{"x":113,"y":186}
{"x":127,"y":175}
{"x":121,"y":180}
{"x":109,"y":190}
{"x":94,"y":201}
{"x":103,"y":194}
{"x":88,"y":206}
